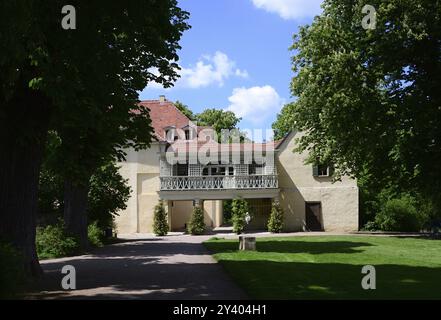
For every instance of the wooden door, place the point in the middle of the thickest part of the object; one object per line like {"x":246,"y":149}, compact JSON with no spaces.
{"x":313,"y":216}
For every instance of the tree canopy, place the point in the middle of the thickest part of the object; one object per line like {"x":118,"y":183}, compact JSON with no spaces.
{"x":82,"y":83}
{"x":284,"y":122}
{"x":185,"y":110}
{"x":369,"y":100}
{"x":218,"y":119}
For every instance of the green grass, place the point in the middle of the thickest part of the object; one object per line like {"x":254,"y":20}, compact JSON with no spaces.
{"x":329,"y":267}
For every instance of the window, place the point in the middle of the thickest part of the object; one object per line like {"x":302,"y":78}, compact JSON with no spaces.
{"x":182,"y":170}
{"x":187,"y":135}
{"x":218,"y":171}
{"x":170,"y":134}
{"x":321,"y":170}
{"x":256,"y":168}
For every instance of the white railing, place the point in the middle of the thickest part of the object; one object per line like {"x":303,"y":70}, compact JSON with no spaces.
{"x":219,"y":182}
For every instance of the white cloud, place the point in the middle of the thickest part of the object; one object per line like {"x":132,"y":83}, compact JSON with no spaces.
{"x":241,"y":73}
{"x":255,"y":104}
{"x":291,"y":9}
{"x":209,"y":70}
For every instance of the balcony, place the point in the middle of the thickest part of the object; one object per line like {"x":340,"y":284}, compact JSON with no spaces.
{"x":243,"y":182}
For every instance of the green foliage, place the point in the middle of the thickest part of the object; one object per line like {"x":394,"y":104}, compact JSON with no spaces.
{"x":284,"y":122}
{"x":95,"y":235}
{"x":239,"y":211}
{"x":53,"y":242}
{"x":196,"y":225}
{"x":12,"y":273}
{"x":275,"y":222}
{"x":227,"y":211}
{"x":218,"y":119}
{"x":185,"y":110}
{"x":160,"y":221}
{"x":87,"y":82}
{"x":413,"y":212}
{"x":360,"y":92}
{"x":108,"y":194}
{"x":370,"y":226}
{"x":400,"y":214}
{"x":222,"y":120}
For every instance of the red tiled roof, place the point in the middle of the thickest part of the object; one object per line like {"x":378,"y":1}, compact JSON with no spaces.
{"x":164,"y":114}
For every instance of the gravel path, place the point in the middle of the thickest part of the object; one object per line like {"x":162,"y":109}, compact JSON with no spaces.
{"x":173,"y":267}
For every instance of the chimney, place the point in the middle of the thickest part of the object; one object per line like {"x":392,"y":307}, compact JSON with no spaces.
{"x":162,"y":98}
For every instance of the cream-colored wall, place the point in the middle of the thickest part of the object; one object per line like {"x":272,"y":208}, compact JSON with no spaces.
{"x":141,"y":169}
{"x":339,"y":200}
{"x":297,"y":185}
{"x":181,"y":211}
{"x":260,"y":210}
{"x":180,"y":214}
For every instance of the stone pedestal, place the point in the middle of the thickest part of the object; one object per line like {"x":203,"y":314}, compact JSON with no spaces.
{"x":247,"y":243}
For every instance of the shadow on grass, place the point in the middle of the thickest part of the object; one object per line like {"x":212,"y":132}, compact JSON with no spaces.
{"x":292,"y":246}
{"x":298,"y":280}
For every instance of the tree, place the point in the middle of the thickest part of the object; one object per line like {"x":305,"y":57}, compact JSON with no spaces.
{"x":160,"y":222}
{"x":369,"y":99}
{"x":69,"y":80}
{"x":284,"y":122}
{"x":218,"y":119}
{"x":108,"y":195}
{"x":196,"y":225}
{"x":275,"y":222}
{"x":222,"y":120}
{"x":239,"y":211}
{"x":84,"y":149}
{"x":185,"y":110}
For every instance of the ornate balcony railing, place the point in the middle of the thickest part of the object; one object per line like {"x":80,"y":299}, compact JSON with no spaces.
{"x":218,"y":182}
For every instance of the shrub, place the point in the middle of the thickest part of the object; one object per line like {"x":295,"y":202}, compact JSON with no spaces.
{"x":239,"y":211}
{"x":160,"y":221}
{"x":275,"y":222}
{"x":370,"y":226}
{"x":400,"y":214}
{"x":12,"y":273}
{"x":108,"y":195}
{"x":95,"y":235}
{"x":196,"y":225}
{"x":227,"y":208}
{"x":53,"y":242}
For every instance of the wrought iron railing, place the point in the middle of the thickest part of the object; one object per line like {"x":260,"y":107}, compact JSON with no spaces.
{"x":218,"y":182}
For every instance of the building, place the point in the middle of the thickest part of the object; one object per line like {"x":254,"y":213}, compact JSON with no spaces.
{"x":186,"y":166}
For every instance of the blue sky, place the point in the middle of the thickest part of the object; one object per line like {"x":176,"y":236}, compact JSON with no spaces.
{"x":236,"y":57}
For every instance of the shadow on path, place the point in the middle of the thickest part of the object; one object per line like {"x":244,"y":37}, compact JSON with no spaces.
{"x":141,"y":270}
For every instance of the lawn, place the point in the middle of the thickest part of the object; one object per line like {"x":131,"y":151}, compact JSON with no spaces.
{"x":329,"y":267}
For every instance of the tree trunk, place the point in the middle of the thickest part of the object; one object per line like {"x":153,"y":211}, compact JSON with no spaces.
{"x":24,"y":122}
{"x":75,"y":211}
